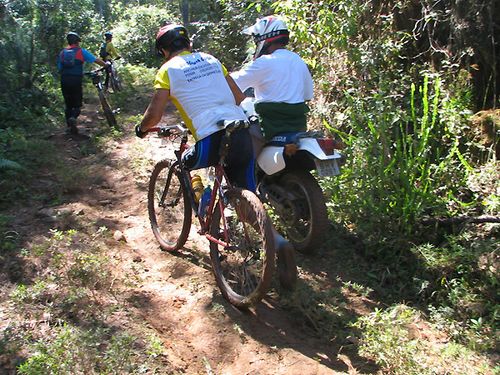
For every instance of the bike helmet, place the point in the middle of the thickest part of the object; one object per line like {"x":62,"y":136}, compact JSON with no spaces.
{"x":73,"y":38}
{"x":172,"y":38}
{"x":108,"y":35}
{"x":266,"y":31}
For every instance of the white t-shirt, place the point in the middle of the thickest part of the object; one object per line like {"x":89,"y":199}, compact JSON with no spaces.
{"x":199,"y":90}
{"x":281,"y":77}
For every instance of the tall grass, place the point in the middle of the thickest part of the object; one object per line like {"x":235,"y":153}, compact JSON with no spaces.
{"x":403,"y":160}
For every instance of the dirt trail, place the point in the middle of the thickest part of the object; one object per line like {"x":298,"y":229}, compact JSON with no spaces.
{"x":176,"y":293}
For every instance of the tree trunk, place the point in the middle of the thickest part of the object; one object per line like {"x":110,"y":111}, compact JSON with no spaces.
{"x":445,"y":221}
{"x":29,"y":73}
{"x":184,"y":5}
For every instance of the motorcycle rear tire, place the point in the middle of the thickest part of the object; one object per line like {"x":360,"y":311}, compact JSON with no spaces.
{"x":303,"y":184}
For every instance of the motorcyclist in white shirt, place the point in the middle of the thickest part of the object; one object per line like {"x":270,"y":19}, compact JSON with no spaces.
{"x":280,"y":78}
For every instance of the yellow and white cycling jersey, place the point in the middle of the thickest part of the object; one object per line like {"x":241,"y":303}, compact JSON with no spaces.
{"x":199,"y":90}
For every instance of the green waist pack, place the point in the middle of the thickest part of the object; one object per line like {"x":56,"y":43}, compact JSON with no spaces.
{"x":282,"y":117}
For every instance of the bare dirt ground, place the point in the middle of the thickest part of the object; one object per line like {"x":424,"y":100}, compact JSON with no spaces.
{"x":176,"y":294}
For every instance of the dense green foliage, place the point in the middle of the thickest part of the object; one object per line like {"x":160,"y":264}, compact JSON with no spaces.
{"x":136,"y":30}
{"x":396,"y":81}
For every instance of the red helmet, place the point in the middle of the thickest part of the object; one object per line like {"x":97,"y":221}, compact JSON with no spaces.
{"x":173,"y":35}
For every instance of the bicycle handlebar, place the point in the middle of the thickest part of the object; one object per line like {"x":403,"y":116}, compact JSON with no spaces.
{"x":167,"y":131}
{"x":93,"y":72}
{"x":180,"y":129}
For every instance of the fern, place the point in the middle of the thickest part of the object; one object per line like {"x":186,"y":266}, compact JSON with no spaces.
{"x":6,"y":164}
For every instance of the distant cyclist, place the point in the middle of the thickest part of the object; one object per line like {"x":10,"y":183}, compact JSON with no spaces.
{"x":70,"y":64}
{"x":108,"y":52}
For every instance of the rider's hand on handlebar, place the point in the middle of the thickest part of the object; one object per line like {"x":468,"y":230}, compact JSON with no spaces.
{"x":139,"y":132}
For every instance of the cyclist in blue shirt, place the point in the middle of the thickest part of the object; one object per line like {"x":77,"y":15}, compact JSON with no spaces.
{"x":70,"y":64}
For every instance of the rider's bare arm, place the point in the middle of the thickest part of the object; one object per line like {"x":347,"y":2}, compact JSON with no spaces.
{"x":100,"y":62}
{"x":238,"y":95}
{"x":154,"y":112}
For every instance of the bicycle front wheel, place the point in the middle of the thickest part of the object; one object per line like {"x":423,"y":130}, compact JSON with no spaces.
{"x":108,"y":113}
{"x":168,"y":206}
{"x":243,"y":269}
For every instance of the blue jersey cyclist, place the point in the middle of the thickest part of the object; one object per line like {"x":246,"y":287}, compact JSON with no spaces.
{"x":70,"y":65}
{"x":203,"y":92}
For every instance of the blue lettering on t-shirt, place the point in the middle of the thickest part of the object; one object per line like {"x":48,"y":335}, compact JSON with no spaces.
{"x":194,"y":62}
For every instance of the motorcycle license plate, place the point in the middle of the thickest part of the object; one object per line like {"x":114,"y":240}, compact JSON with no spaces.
{"x":328,"y":167}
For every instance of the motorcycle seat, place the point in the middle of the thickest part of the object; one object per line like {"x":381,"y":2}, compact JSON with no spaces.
{"x":286,"y":138}
{"x":283,"y":139}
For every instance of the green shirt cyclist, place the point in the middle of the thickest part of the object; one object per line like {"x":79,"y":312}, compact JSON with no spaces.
{"x":108,"y":50}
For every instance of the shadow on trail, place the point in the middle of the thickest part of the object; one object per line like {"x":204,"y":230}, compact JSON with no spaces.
{"x":314,"y":320}
{"x":197,"y":257}
{"x":289,"y":326}
{"x":338,"y":284}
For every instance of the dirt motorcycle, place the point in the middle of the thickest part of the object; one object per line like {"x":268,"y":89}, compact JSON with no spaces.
{"x":285,"y":182}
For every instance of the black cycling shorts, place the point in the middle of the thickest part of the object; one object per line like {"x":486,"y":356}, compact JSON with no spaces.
{"x":72,"y":91}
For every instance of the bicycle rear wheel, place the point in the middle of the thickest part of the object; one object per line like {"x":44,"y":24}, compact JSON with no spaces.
{"x":116,"y":83}
{"x":168,"y":202}
{"x":108,"y":113}
{"x":244,"y":269}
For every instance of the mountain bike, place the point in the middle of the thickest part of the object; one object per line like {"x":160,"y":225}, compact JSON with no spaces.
{"x":96,"y":76}
{"x":242,"y":250}
{"x":112,"y":79}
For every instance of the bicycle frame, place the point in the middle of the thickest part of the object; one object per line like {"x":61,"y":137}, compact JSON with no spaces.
{"x":217,"y":190}
{"x":110,"y":74}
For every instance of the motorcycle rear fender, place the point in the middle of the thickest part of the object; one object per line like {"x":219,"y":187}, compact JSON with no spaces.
{"x":311,"y":145}
{"x":271,"y":159}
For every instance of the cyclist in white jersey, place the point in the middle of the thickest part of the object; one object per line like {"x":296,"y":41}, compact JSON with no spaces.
{"x":204,"y":93}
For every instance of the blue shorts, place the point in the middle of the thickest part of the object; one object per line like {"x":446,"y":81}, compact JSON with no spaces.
{"x":240,"y":168}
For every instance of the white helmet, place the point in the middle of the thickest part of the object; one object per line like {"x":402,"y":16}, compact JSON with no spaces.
{"x":265,"y":31}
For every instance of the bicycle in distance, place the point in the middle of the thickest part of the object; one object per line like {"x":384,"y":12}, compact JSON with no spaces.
{"x":109,"y":114}
{"x":234,"y":221}
{"x":112,"y":79}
